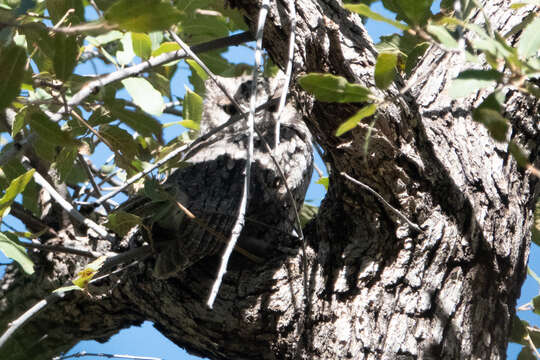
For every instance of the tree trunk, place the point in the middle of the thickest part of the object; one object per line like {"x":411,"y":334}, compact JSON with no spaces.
{"x":375,"y":287}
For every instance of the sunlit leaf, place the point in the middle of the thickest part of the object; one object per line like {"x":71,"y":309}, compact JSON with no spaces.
{"x":331,"y":88}
{"x":496,"y":124}
{"x":324,"y":181}
{"x":65,"y":55}
{"x":198,"y":76}
{"x":64,"y":162}
{"x":85,"y":276}
{"x":193,"y":106}
{"x":142,"y":45}
{"x":16,"y":187}
{"x":442,"y":35}
{"x":470,"y":81}
{"x":120,"y":140}
{"x":364,"y":10}
{"x":12,"y":62}
{"x":385,"y":69}
{"x":190,"y":124}
{"x":536,"y":224}
{"x":58,"y":8}
{"x":126,"y":55}
{"x":142,"y":15}
{"x":529,"y":42}
{"x":48,"y":130}
{"x":354,"y":120}
{"x":16,"y":252}
{"x":121,"y":222}
{"x":307,"y":213}
{"x":144,"y":124}
{"x":144,"y":95}
{"x":105,"y":38}
{"x":165,"y":48}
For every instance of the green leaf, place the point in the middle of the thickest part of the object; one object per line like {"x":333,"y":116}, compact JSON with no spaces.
{"x":121,"y":222}
{"x":526,"y":353}
{"x":414,"y":56}
{"x":536,"y":224}
{"x":142,"y":45}
{"x":496,"y":124}
{"x":105,"y":38}
{"x":58,"y":8}
{"x":443,"y":36}
{"x":324,"y":181}
{"x":142,"y":15}
{"x":12,"y":63}
{"x":137,"y":120}
{"x":519,"y":330}
{"x":518,"y":154}
{"x":416,"y":11}
{"x":16,"y":187}
{"x":64,"y":162}
{"x":364,"y":10}
{"x":166,"y":47}
{"x":19,"y":122}
{"x":354,"y":120}
{"x":65,"y":55}
{"x":48,"y":130}
{"x":536,"y":304}
{"x":307,"y":213}
{"x":385,"y":69}
{"x":85,"y":275}
{"x":189,"y":124}
{"x":144,"y":95}
{"x":193,"y":106}
{"x":126,"y":55}
{"x":331,"y":88}
{"x":120,"y":140}
{"x":198,"y":76}
{"x":529,"y":42}
{"x":16,"y":252}
{"x":470,"y":81}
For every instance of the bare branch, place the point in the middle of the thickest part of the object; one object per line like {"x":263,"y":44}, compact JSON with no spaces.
{"x":288,"y":72}
{"x":384,"y":202}
{"x":61,"y":249}
{"x":109,"y":356}
{"x":135,"y":254}
{"x":100,"y":230}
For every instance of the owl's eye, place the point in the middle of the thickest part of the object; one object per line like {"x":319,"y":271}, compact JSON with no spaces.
{"x":230,"y":109}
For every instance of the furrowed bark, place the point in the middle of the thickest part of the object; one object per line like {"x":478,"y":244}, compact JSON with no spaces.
{"x":377,"y":289}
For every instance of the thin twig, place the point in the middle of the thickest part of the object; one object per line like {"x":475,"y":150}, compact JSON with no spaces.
{"x":384,"y":202}
{"x":109,"y":356}
{"x":95,"y":186}
{"x":239,"y":224}
{"x":186,"y":149}
{"x":40,"y":180}
{"x":118,"y":75}
{"x":531,"y":345}
{"x":61,"y":249}
{"x":288,"y":72}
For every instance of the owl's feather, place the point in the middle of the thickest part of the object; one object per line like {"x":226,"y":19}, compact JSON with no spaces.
{"x":211,"y":185}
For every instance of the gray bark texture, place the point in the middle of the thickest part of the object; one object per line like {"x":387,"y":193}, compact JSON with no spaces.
{"x":375,"y":288}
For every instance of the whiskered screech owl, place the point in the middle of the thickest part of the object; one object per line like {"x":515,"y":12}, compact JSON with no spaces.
{"x":210,"y":185}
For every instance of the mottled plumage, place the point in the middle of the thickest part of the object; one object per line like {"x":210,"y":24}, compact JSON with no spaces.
{"x":211,"y":185}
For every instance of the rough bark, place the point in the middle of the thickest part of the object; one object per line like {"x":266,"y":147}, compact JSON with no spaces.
{"x":376,"y":289}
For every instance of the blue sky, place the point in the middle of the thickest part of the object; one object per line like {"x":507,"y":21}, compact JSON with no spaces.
{"x":145,"y":340}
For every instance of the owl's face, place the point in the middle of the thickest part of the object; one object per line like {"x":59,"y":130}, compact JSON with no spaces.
{"x":218,"y":109}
